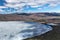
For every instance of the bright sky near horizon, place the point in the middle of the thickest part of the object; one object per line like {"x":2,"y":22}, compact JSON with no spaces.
{"x":13,"y":6}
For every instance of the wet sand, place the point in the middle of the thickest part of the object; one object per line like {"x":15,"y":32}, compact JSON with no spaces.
{"x":51,"y":35}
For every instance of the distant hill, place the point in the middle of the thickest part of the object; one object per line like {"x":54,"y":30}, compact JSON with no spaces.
{"x":47,"y":14}
{"x":38,"y":14}
{"x":52,"y":14}
{"x":36,"y":17}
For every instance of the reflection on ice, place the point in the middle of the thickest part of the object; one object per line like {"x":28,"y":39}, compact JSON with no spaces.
{"x":19,"y":30}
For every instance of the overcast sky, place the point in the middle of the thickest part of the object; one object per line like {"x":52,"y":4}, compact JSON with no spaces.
{"x":13,"y":6}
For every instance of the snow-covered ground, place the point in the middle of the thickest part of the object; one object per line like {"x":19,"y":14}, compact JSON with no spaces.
{"x":19,"y":30}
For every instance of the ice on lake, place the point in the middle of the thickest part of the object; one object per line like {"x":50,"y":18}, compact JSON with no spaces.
{"x":19,"y":30}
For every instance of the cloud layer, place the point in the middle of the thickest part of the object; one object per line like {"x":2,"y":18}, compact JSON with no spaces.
{"x":20,"y":5}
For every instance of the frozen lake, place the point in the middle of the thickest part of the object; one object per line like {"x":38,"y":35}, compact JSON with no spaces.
{"x":19,"y":30}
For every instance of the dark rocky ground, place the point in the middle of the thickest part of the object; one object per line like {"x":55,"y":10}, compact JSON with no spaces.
{"x":51,"y":35}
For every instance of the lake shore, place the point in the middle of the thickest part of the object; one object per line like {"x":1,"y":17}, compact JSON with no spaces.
{"x":51,"y":35}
